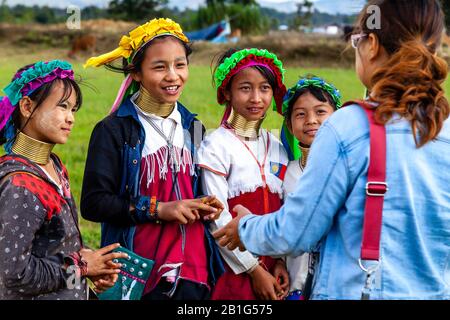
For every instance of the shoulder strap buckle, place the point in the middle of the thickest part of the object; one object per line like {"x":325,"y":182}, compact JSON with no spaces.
{"x":376,"y":188}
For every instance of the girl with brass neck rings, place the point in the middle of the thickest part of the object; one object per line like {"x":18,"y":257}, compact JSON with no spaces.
{"x":41,"y":250}
{"x":245,"y":164}
{"x":306,"y":106}
{"x":141,"y":179}
{"x":397,"y":63}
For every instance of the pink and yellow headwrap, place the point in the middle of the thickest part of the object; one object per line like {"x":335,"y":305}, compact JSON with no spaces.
{"x":131,"y":44}
{"x":139,"y":36}
{"x":246,"y":58}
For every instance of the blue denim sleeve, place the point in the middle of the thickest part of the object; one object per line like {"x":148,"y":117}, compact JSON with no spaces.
{"x":308,"y":212}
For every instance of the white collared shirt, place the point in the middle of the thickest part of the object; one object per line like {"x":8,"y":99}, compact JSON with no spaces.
{"x":165,"y":124}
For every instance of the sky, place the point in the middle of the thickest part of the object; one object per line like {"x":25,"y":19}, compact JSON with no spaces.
{"x":330,"y":6}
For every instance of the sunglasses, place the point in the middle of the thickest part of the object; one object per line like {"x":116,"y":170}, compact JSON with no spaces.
{"x":356,"y":38}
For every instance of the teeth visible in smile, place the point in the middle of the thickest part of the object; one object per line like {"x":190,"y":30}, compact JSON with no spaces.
{"x":171,"y":88}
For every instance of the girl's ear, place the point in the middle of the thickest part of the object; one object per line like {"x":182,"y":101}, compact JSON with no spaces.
{"x":289,"y":125}
{"x":227,"y":94}
{"x":26,"y":107}
{"x":137,"y":76}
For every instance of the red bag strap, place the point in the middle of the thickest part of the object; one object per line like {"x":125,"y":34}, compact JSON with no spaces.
{"x":376,"y":186}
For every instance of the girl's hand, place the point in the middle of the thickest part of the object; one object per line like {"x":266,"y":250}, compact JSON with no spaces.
{"x":184,"y":211}
{"x":228,"y":236}
{"x":99,"y":262}
{"x":213,"y":202}
{"x":104,"y":282}
{"x":264,"y":285}
{"x":280,"y":273}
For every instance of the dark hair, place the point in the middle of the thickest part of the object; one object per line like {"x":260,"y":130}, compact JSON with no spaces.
{"x":318,"y":93}
{"x":410,"y":82}
{"x":265,"y":72}
{"x":40,"y":94}
{"x":136,"y":64}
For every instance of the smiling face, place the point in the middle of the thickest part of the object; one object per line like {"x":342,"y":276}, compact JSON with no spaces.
{"x":250,"y":94}
{"x":308,"y":114}
{"x":164,"y":70}
{"x":53,"y":119}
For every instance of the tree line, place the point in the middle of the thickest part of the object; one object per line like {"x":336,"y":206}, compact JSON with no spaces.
{"x":246,"y":15}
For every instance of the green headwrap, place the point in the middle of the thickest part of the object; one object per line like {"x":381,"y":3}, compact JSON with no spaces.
{"x":290,"y":142}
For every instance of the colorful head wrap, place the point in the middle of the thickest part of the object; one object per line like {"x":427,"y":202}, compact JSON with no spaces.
{"x":248,"y":58}
{"x":27,"y":81}
{"x":131,"y":44}
{"x":290,"y":142}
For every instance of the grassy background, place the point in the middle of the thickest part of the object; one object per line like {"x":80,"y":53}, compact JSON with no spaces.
{"x":198,"y":96}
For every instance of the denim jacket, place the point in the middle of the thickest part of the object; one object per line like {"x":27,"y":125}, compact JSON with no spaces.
{"x":111,"y":177}
{"x":326,"y":212}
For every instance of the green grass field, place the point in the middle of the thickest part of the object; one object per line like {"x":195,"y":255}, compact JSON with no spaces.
{"x":198,"y":96}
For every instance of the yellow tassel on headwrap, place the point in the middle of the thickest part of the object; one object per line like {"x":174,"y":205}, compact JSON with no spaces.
{"x":137,"y":37}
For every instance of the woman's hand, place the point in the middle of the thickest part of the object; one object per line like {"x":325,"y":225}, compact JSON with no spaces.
{"x":184,"y":211}
{"x":264,"y":285}
{"x":99,"y":262}
{"x":282,"y":276}
{"x":228,"y":236}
